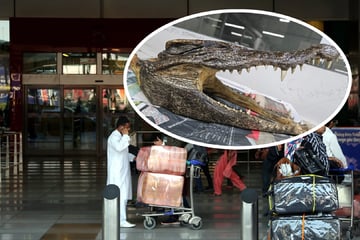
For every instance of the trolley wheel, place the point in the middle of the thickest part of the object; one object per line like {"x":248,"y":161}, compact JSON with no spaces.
{"x":149,"y":223}
{"x":197,"y":226}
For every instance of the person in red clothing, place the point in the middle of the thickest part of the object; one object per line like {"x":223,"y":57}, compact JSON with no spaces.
{"x":223,"y":169}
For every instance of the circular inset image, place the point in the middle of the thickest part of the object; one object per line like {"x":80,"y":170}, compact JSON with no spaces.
{"x":237,"y":79}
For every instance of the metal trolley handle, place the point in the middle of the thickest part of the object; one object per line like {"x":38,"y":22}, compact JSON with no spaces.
{"x":196,"y":168}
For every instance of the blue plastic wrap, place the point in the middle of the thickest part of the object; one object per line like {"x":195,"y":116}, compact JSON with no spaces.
{"x":303,"y":194}
{"x":312,"y":227}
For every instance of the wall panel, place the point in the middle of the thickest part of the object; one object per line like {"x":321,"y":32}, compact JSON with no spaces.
{"x":304,"y":9}
{"x":196,"y":6}
{"x":145,"y":9}
{"x":6,"y":9}
{"x":314,"y":10}
{"x":58,"y":8}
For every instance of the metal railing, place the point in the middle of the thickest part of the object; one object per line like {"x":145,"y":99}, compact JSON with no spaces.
{"x":11,"y":153}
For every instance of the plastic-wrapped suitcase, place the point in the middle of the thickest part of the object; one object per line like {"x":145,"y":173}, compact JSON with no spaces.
{"x":303,"y":194}
{"x":160,"y":189}
{"x":162,"y":159}
{"x":299,"y":227}
{"x":305,"y":227}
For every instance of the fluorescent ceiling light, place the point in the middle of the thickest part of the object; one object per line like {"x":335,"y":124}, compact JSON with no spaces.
{"x":284,"y":20}
{"x":236,"y":34}
{"x":340,"y":71}
{"x":234,"y":25}
{"x":273,"y":34}
{"x":214,"y":19}
{"x":215,"y":26}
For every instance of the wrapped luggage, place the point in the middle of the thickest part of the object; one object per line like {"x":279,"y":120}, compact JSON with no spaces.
{"x":303,"y":194}
{"x":160,"y":189}
{"x":162,"y":159}
{"x":323,"y":227}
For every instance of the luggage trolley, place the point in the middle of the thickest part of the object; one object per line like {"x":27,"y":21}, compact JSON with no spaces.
{"x":186,"y":215}
{"x":345,"y":195}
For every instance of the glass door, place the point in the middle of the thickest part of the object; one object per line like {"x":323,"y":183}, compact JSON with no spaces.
{"x":43,"y":128}
{"x":73,"y":119}
{"x":61,"y":120}
{"x":80,"y":108}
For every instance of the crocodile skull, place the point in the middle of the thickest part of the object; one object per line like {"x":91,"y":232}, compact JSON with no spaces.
{"x":183,"y":80}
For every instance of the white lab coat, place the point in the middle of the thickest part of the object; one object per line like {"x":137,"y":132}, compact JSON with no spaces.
{"x":118,"y":168}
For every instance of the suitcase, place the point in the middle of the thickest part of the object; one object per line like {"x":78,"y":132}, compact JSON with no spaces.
{"x":162,"y":159}
{"x":325,"y":227}
{"x":160,"y":189}
{"x":303,"y":194}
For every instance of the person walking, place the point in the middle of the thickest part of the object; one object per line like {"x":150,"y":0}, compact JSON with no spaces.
{"x":275,"y":153}
{"x":118,"y":165}
{"x":223,"y":169}
{"x":199,"y":153}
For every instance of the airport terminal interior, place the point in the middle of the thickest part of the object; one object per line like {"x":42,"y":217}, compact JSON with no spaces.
{"x":62,"y":89}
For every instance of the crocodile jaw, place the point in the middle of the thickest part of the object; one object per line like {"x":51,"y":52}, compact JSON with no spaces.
{"x":182,"y":79}
{"x":186,"y":97}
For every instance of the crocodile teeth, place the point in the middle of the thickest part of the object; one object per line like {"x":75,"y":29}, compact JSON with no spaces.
{"x":329,"y":64}
{"x":283,"y":74}
{"x":293,"y":69}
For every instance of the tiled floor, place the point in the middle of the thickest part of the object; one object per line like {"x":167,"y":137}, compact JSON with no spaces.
{"x":62,"y":199}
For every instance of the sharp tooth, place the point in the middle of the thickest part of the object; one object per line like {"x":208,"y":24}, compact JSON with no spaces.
{"x":248,"y":69}
{"x":329,"y":64}
{"x":275,"y":68}
{"x":283,"y":74}
{"x":313,"y":61}
{"x":239,"y":71}
{"x":293,"y":69}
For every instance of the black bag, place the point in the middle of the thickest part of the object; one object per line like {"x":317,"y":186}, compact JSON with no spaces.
{"x":194,"y":154}
{"x":308,"y":161}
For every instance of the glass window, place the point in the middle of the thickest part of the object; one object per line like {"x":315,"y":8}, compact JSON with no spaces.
{"x":43,"y":100}
{"x":114,"y":63}
{"x":80,"y":118}
{"x":39,"y":63}
{"x":114,"y":100}
{"x":79,"y":63}
{"x":43,"y":114}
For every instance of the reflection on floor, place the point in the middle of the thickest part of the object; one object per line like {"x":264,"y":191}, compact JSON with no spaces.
{"x":70,"y":231}
{"x":62,"y":199}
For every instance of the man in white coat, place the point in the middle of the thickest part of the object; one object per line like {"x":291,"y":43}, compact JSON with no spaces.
{"x":118,"y":165}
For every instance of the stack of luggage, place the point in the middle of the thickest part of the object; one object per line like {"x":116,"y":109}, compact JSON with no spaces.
{"x":161,"y":180}
{"x":301,"y":208}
